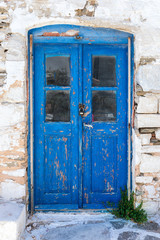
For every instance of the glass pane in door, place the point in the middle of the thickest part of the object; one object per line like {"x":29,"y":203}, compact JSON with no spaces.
{"x":104,"y":106}
{"x":57,"y":106}
{"x":103,"y":71}
{"x":58,"y":70}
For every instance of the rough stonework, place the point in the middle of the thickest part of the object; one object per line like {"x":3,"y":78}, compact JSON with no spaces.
{"x":141,"y":18}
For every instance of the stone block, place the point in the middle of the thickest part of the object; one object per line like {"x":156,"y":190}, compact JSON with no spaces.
{"x":144,"y":180}
{"x":148,"y":120}
{"x":12,"y":220}
{"x":148,"y":77}
{"x":159,"y":105}
{"x":147,"y":104}
{"x":157,"y":132}
{"x":145,"y":139}
{"x":12,"y":190}
{"x":150,"y":164}
{"x":151,"y":207}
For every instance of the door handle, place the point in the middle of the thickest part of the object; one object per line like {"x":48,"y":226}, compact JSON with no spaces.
{"x":81,"y":109}
{"x":87,"y":125}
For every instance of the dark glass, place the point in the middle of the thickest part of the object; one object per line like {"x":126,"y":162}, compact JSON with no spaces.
{"x":58,"y":70}
{"x":57,"y":106}
{"x":104,"y":106}
{"x":103,"y":71}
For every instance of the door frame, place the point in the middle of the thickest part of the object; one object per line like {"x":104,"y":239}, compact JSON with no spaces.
{"x":83,"y":35}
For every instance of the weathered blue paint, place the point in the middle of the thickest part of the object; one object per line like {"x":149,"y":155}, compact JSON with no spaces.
{"x":105,"y":145}
{"x":69,"y":167}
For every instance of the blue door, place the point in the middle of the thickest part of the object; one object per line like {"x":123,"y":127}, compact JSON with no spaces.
{"x":80,"y":125}
{"x":56,"y":132}
{"x":104,"y":124}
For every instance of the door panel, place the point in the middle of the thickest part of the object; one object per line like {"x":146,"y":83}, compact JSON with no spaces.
{"x":104,"y":124}
{"x":56,"y":132}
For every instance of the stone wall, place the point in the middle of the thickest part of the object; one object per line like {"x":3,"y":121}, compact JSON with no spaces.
{"x":139,"y":17}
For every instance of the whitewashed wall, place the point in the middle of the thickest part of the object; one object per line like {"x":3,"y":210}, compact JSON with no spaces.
{"x":140,"y":17}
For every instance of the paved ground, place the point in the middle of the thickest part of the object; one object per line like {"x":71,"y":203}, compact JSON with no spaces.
{"x":88,"y":226}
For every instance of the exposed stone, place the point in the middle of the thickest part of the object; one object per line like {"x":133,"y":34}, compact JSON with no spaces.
{"x":149,"y":226}
{"x":88,"y":10}
{"x":145,"y":120}
{"x":147,"y":130}
{"x":149,"y":237}
{"x":146,"y":60}
{"x":117,"y":224}
{"x":148,"y":104}
{"x":128,"y":236}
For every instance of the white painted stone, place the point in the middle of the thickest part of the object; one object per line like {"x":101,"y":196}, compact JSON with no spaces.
{"x":2,"y":36}
{"x":150,"y":164}
{"x":11,"y":114}
{"x":12,"y":190}
{"x":150,"y":190}
{"x":147,"y":104}
{"x":144,"y":180}
{"x":15,"y":45}
{"x":148,"y":120}
{"x":16,"y":173}
{"x":12,"y":220}
{"x":151,"y":207}
{"x":145,"y":139}
{"x":15,"y":94}
{"x":9,"y":139}
{"x":15,"y":72}
{"x":157,"y":132}
{"x":148,"y":77}
{"x":150,"y":149}
{"x":159,"y":105}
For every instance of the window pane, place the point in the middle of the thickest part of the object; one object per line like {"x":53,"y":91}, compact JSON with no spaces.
{"x":103,"y":71}
{"x":58,"y":71}
{"x":57,"y":106}
{"x":104,"y":106}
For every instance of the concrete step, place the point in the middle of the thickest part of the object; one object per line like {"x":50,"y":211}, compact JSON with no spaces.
{"x":12,"y":220}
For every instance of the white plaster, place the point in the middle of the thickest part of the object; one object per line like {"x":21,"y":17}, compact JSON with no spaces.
{"x":16,"y":173}
{"x":147,"y":104}
{"x":150,"y":164}
{"x":12,"y":220}
{"x":148,"y":120}
{"x":12,"y":190}
{"x":11,"y":114}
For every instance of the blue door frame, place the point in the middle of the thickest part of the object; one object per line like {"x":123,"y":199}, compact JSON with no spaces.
{"x":92,"y":41}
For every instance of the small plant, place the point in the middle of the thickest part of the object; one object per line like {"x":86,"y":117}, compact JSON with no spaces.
{"x":127,"y":210}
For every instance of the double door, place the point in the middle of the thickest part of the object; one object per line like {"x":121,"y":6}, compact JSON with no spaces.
{"x":80,"y":125}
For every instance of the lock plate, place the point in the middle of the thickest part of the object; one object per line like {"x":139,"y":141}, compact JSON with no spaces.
{"x":81,"y":109}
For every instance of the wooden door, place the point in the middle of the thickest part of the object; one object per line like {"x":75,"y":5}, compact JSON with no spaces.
{"x":55,"y":126}
{"x":104,"y":124}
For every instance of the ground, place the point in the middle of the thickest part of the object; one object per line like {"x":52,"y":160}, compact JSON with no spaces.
{"x":87,"y":226}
